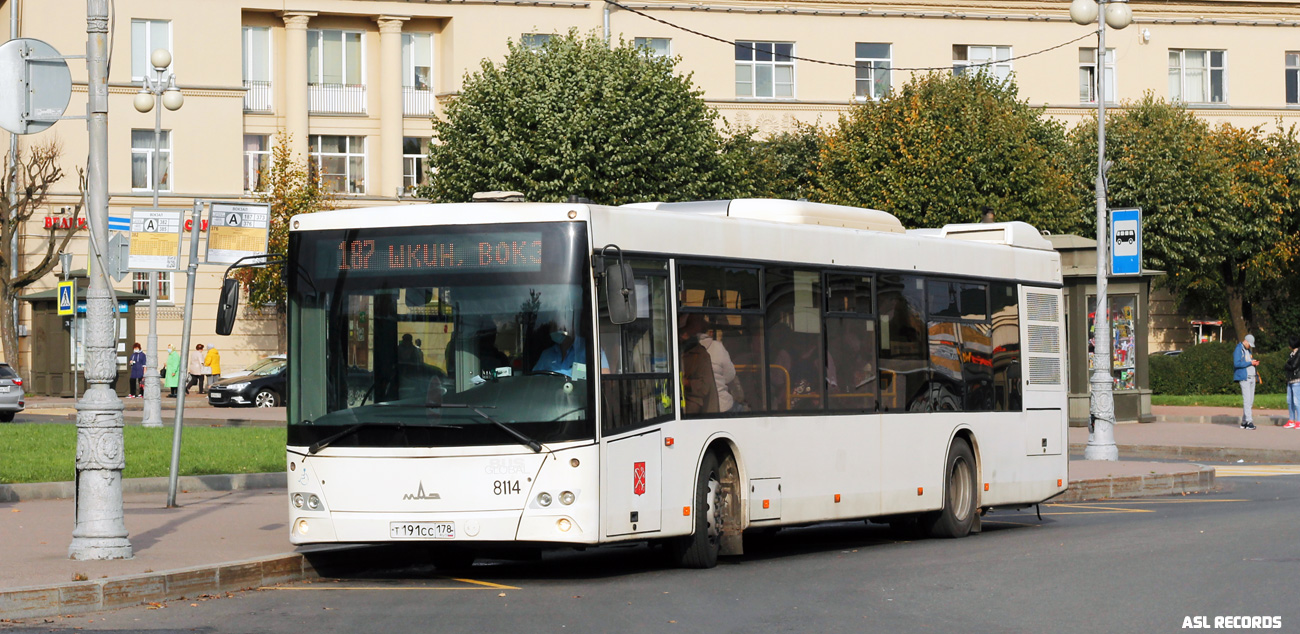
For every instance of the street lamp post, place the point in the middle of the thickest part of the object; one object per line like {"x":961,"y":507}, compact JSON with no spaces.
{"x":151,"y":87}
{"x":1101,"y":437}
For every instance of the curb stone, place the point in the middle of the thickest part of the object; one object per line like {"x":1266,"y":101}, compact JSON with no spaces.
{"x":220,"y":482}
{"x":1134,"y":486}
{"x":79,"y":597}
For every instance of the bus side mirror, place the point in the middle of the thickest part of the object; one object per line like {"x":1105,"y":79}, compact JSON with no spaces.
{"x":227,"y":306}
{"x":620,"y":293}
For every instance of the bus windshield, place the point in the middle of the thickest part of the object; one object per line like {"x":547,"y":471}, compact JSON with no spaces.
{"x":440,"y":336}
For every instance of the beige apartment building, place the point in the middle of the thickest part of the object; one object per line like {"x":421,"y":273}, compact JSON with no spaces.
{"x":356,"y":82}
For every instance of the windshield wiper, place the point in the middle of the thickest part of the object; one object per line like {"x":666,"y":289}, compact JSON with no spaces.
{"x":315,"y":447}
{"x":514,"y":433}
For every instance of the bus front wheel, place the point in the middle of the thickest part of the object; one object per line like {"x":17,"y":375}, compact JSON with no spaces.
{"x":957,"y":517}
{"x":700,"y":548}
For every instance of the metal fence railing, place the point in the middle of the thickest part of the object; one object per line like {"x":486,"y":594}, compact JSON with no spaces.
{"x":336,"y":98}
{"x":417,"y":102}
{"x":257,"y":96}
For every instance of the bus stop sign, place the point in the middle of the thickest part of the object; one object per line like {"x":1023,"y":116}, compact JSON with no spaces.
{"x":1126,"y":242}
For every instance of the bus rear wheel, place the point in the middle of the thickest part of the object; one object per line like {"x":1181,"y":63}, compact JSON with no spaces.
{"x":700,"y":548}
{"x":957,"y":517}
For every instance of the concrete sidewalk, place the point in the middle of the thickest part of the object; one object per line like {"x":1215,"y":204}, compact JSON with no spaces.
{"x":1200,"y":442}
{"x":46,"y":409}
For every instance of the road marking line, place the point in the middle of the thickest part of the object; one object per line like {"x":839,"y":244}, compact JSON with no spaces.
{"x":487,"y":584}
{"x":372,"y":588}
{"x":1236,"y":471}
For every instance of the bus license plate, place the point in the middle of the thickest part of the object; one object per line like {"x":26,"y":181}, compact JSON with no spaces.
{"x":422,"y":530}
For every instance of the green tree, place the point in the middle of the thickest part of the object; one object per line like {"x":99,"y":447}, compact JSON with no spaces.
{"x":1216,"y":203}
{"x":943,"y":148}
{"x":578,"y":117}
{"x":783,"y":165}
{"x":291,"y":187}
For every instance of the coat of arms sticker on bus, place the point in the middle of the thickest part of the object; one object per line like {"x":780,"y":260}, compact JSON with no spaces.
{"x":638,"y":478}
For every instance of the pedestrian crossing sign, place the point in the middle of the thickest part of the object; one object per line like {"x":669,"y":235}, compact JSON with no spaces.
{"x":67,"y":298}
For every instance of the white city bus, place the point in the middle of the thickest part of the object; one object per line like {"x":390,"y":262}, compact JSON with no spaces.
{"x":457,"y":375}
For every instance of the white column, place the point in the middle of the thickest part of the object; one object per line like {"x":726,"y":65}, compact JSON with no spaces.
{"x":388,"y":156}
{"x":295,"y":79}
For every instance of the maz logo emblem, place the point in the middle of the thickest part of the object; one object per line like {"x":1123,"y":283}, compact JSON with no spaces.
{"x":421,"y":495}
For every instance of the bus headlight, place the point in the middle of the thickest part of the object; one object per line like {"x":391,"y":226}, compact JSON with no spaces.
{"x":297,"y":500}
{"x":301,"y":527}
{"x":544,"y":498}
{"x":313,"y":503}
{"x":566,"y":498}
{"x":564,"y":525}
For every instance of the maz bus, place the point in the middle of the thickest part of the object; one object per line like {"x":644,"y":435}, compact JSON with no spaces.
{"x":459,"y":374}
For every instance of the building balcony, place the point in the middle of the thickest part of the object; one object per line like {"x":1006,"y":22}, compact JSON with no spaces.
{"x":257,"y":96}
{"x":336,"y":98}
{"x":417,"y":102}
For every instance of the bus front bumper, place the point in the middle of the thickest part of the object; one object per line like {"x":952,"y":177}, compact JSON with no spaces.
{"x":480,"y":526}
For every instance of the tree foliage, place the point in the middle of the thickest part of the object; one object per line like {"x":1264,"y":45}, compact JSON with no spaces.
{"x":578,"y":117}
{"x":292,"y":188}
{"x":783,"y":165}
{"x":29,"y":179}
{"x":943,"y":148}
{"x":1218,"y":204}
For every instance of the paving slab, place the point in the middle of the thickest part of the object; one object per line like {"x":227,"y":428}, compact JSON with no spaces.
{"x":1200,"y":442}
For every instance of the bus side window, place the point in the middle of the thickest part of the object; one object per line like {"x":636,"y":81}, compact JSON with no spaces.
{"x":1004,"y":308}
{"x":904,"y":365}
{"x":850,"y":343}
{"x":794,"y":340}
{"x":636,"y":369}
{"x":721,"y":318}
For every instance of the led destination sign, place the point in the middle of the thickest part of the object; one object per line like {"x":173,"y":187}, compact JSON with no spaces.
{"x":463,"y":253}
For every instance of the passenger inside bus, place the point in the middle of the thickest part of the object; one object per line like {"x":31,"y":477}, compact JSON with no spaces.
{"x":699,"y":390}
{"x":730,"y":397}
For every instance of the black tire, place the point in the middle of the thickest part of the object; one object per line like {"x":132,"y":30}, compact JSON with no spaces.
{"x":700,"y":548}
{"x":7,"y":417}
{"x":266,"y":397}
{"x":960,"y":499}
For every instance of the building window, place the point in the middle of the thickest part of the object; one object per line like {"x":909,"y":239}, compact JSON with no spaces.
{"x":1198,"y":76}
{"x":334,"y":57}
{"x":990,"y":59}
{"x":417,"y":60}
{"x":257,"y":161}
{"x":147,"y":35}
{"x":658,"y":46}
{"x":257,"y":69}
{"x":340,"y":161}
{"x":413,"y":157}
{"x":873,"y":75}
{"x":1293,"y":78}
{"x":1088,"y":75}
{"x":142,"y":164}
{"x":534,"y":41}
{"x":140,"y":284}
{"x":765,"y":70}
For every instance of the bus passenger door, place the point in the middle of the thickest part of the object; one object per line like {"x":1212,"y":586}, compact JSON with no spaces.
{"x":633,"y":480}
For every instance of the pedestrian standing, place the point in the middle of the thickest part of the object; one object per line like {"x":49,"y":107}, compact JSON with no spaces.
{"x":1244,"y":373}
{"x":138,"y":360}
{"x":172,"y":372}
{"x":1292,"y":371}
{"x":213,"y":362}
{"x":195,"y":369}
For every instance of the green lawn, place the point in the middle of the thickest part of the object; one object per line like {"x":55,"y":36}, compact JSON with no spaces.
{"x":1262,"y":401}
{"x":46,"y":453}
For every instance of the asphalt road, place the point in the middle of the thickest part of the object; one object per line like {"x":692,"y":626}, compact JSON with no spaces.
{"x":1125,"y":566}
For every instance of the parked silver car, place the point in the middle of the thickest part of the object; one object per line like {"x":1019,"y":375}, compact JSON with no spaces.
{"x":12,"y":399}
